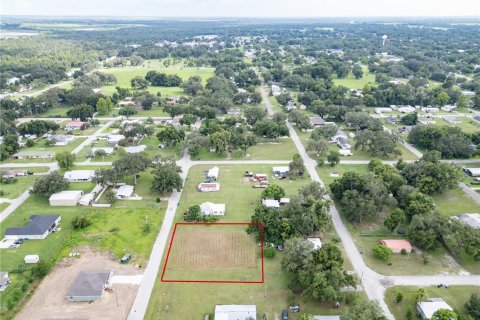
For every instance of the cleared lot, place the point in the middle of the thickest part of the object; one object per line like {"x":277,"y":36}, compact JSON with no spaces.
{"x":49,"y":302}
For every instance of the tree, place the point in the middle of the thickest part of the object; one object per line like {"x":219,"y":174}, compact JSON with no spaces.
{"x":393,"y":219}
{"x":254,"y":114}
{"x":108,"y":176}
{"x":139,"y":83}
{"x":442,"y":98}
{"x":297,"y":254}
{"x":333,"y":158}
{"x":49,"y":184}
{"x":104,"y":106}
{"x":188,"y":119}
{"x":378,"y":143}
{"x":194,"y":214}
{"x":170,"y":135}
{"x":296,"y":166}
{"x":82,"y":112}
{"x":80,"y":222}
{"x":9,"y":146}
{"x":417,"y":203}
{"x":410,"y":119}
{"x":100,"y":153}
{"x":270,"y":252}
{"x":462,"y":102}
{"x":65,"y":159}
{"x":127,"y":111}
{"x":110,"y":197}
{"x":399,"y":297}
{"x":166,"y":176}
{"x":132,"y":164}
{"x":444,"y":314}
{"x":319,"y":146}
{"x":369,"y":310}
{"x":326,"y":131}
{"x":219,"y":141}
{"x":425,"y":230}
{"x":273,"y":191}
{"x":473,"y":306}
{"x":382,"y":252}
{"x":357,"y":71}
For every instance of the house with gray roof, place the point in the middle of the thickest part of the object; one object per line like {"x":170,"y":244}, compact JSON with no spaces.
{"x":89,"y":285}
{"x":427,"y":308}
{"x":38,"y":227}
{"x":470,"y":219}
{"x":316,"y":121}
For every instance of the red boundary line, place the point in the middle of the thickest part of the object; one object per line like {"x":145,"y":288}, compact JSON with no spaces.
{"x":258,"y":224}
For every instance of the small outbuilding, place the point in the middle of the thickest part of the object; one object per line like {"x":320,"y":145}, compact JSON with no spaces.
{"x":317,"y":243}
{"x":235,"y":312}
{"x":31,"y":258}
{"x":89,"y":285}
{"x":427,"y":308}
{"x":280,"y":171}
{"x":397,"y":245}
{"x":209,"y":208}
{"x":208,"y":187}
{"x":124,"y":192}
{"x":271,"y":203}
{"x":68,"y":198}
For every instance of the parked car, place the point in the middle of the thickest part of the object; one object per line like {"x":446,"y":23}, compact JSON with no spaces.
{"x":284,"y":315}
{"x":280,"y":247}
{"x":126,"y":258}
{"x":294,"y":308}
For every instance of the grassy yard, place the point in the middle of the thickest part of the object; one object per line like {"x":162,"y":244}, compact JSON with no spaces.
{"x":276,"y":106}
{"x":54,"y":112}
{"x":325,"y":173}
{"x":125,"y":74}
{"x":167,"y":299}
{"x":455,"y":296}
{"x":351,"y":83}
{"x":3,"y":206}
{"x":466,"y":124}
{"x":453,"y":202}
{"x":14,"y":190}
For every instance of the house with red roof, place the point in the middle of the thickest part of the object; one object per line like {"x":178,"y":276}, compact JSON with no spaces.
{"x":397,"y":245}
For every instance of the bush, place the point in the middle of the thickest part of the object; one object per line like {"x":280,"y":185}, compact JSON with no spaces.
{"x":399,"y":297}
{"x":110,"y":197}
{"x":351,"y":298}
{"x":80,"y":222}
{"x":382,"y":252}
{"x":409,"y":314}
{"x":40,"y":270}
{"x":158,"y":200}
{"x":290,"y":297}
{"x":403,"y":251}
{"x":270,"y":252}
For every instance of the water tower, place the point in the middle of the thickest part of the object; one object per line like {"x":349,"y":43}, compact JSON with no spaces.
{"x":384,"y":37}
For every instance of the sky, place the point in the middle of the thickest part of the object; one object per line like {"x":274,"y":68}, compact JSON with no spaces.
{"x":243,"y":8}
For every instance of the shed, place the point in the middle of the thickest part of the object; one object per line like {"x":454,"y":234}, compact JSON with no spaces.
{"x":213,"y":173}
{"x":38,"y":227}
{"x":124,"y":192}
{"x":280,"y":170}
{"x":426,"y":309}
{"x":68,"y":198}
{"x":235,"y":312}
{"x":89,"y":285}
{"x":31,"y":258}
{"x":397,"y":245}
{"x":271,"y":203}
{"x":209,"y":208}
{"x":4,"y":281}
{"x":79,"y":175}
{"x":317,"y":243}
{"x":208,"y":187}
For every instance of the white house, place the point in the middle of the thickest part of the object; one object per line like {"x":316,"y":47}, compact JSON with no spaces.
{"x":135,"y":149}
{"x":4,"y":281}
{"x":79,"y":175}
{"x":124,"y":192}
{"x":114,"y":139}
{"x":68,"y":198}
{"x":381,"y":110}
{"x":430,"y":109}
{"x":209,"y":208}
{"x":448,"y":108}
{"x":271,"y":203}
{"x":235,"y":312}
{"x":213,"y":173}
{"x":317,"y":243}
{"x":12,"y":80}
{"x":426,"y":120}
{"x":406,"y":109}
{"x":62,"y":139}
{"x":451,"y":119}
{"x":275,"y":90}
{"x":426,"y":309}
{"x":38,"y":227}
{"x":470,"y":219}
{"x":280,"y":170}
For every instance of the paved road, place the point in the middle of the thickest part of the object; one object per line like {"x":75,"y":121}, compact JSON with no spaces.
{"x":92,"y":137}
{"x":412,"y":149}
{"x":140,"y":304}
{"x":266,"y":100}
{"x":469,"y":191}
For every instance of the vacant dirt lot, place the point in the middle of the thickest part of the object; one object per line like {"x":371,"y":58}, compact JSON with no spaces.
{"x":49,"y":302}
{"x":212,"y":247}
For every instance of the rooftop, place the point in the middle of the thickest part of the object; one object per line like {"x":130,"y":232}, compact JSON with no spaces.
{"x":38,"y":225}
{"x":235,"y":312}
{"x":66,"y":195}
{"x":89,"y":283}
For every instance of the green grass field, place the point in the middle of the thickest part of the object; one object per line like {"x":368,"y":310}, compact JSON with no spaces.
{"x":325,"y":172}
{"x":167,"y":299}
{"x":351,"y":83}
{"x":455,"y":296}
{"x":467,"y":124}
{"x":453,"y":202}
{"x":125,"y":74}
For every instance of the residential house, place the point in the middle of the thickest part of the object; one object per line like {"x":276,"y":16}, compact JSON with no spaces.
{"x":326,"y":317}
{"x":208,"y":187}
{"x":280,"y":171}
{"x":427,"y":308}
{"x":317,"y":243}
{"x":76,"y":125}
{"x":209,"y":208}
{"x":381,"y":110}
{"x":473,"y":172}
{"x":343,"y":144}
{"x":430,"y":109}
{"x":13,"y":173}
{"x":124,"y":192}
{"x":235,"y":312}
{"x":62,"y":139}
{"x":12,"y":80}
{"x":234,"y":111}
{"x":276,"y":91}
{"x":451,"y":120}
{"x":448,"y":108}
{"x":397,"y":245}
{"x":34,"y":154}
{"x":271,"y":203}
{"x":316,"y":121}
{"x":89,"y":285}
{"x":4,"y":281}
{"x":79,"y":175}
{"x":68,"y":198}
{"x":476,"y":118}
{"x":114,"y":139}
{"x":38,"y":227}
{"x":426,"y":120}
{"x":406,"y":109}
{"x":135,"y":149}
{"x":108,"y":151}
{"x":470,"y":219}
{"x":213,"y":173}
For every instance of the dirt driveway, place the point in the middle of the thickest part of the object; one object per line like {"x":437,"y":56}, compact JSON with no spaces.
{"x":49,"y":302}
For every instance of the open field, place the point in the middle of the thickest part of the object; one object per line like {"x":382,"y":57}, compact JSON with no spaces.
{"x":351,"y":83}
{"x":328,"y":173}
{"x":125,"y":74}
{"x":466,"y":124}
{"x":213,"y":253}
{"x":453,"y":202}
{"x":455,"y":296}
{"x":49,"y":301}
{"x":166,"y":301}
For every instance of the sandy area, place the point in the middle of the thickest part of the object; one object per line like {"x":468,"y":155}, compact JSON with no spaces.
{"x":49,"y":302}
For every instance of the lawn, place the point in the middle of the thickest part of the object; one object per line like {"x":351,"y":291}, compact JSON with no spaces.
{"x":351,"y":83}
{"x":14,"y":190}
{"x":453,"y":202}
{"x":59,"y":112}
{"x":455,"y":296}
{"x":466,"y":124}
{"x":125,"y":74}
{"x":168,"y":299}
{"x":325,"y":172}
{"x":276,"y":106}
